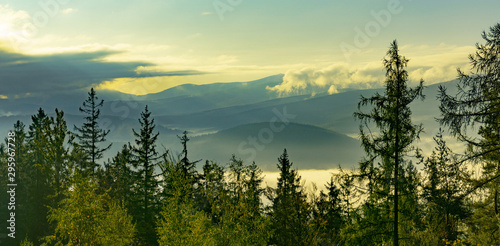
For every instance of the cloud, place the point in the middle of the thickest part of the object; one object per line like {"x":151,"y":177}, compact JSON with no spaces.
{"x":6,"y":113}
{"x":436,"y":64}
{"x":331,"y":79}
{"x":12,"y":22}
{"x":65,"y":72}
{"x":433,"y":64}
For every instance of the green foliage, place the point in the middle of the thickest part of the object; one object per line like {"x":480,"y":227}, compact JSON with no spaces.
{"x":57,"y":156}
{"x":444,"y":191}
{"x":26,"y":242}
{"x":385,"y":202}
{"x":38,"y":186}
{"x":181,"y":224}
{"x":87,"y":218}
{"x":119,"y":177}
{"x":240,"y":215}
{"x":327,"y":215}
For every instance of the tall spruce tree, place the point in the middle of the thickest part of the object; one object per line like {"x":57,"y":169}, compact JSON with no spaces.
{"x":473,"y":116}
{"x":289,"y":207}
{"x":391,"y":178}
{"x":145,"y":159}
{"x":58,"y":155}
{"x":39,"y":184}
{"x":90,"y":135}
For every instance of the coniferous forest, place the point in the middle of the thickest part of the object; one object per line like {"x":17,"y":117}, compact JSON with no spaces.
{"x":146,"y":195}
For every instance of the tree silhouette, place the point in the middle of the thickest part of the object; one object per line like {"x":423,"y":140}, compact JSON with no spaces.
{"x":90,"y":135}
{"x":144,"y":159}
{"x":391,"y":114}
{"x":289,"y":208}
{"x":473,"y":116}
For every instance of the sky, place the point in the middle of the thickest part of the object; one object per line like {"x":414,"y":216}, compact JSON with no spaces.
{"x":142,"y":47}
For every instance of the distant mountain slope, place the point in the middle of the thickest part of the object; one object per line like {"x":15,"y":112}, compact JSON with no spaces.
{"x":252,"y":87}
{"x":334,"y":112}
{"x":189,"y":98}
{"x":310,"y":147}
{"x":232,"y":109}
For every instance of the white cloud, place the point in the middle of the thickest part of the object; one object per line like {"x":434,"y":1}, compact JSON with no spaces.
{"x":4,"y":113}
{"x":433,"y":64}
{"x":12,"y":23}
{"x":329,"y":79}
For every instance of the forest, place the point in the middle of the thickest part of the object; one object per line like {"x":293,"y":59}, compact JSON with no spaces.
{"x":67,"y":194}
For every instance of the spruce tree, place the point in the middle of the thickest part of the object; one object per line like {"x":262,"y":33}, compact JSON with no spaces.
{"x":213,"y":188}
{"x":391,"y":177}
{"x":327,"y":215}
{"x":444,"y":190}
{"x":145,"y":159}
{"x":90,"y":135}
{"x":472,"y":116}
{"x":188,"y":167}
{"x":39,"y":184}
{"x":289,"y":207}
{"x":119,"y":175}
{"x":58,"y":137}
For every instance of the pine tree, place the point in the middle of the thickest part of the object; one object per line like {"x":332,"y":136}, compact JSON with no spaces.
{"x":145,"y":159}
{"x":289,"y":207}
{"x":392,"y":179}
{"x":90,"y":135}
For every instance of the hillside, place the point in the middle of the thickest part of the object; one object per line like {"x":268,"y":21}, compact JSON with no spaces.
{"x":310,"y":147}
